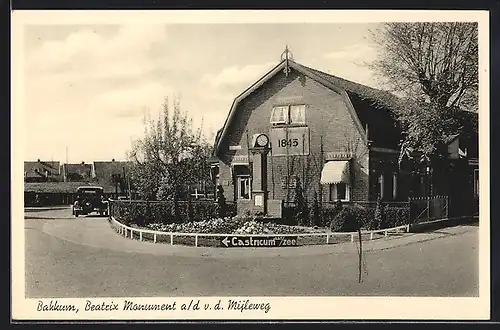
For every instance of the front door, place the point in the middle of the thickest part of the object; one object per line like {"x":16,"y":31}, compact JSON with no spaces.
{"x":243,"y":185}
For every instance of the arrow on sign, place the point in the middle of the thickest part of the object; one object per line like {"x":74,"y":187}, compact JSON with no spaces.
{"x":226,"y":241}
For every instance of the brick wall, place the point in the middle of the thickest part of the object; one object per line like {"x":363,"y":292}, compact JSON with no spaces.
{"x":327,"y":117}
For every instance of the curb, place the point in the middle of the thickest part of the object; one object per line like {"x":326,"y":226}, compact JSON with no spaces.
{"x":181,"y":238}
{"x":46,"y":218}
{"x":208,"y":240}
{"x":42,"y":209}
{"x":442,"y":223}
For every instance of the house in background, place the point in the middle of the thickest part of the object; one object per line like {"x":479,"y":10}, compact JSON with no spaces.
{"x":461,"y":183}
{"x":41,"y":171}
{"x":113,"y":173}
{"x":81,"y":172}
{"x":296,"y":125}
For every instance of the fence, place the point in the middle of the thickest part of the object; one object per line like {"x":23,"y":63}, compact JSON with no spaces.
{"x":142,"y":213}
{"x":428,"y":208}
{"x":54,"y":198}
{"x":373,"y":204}
{"x":214,"y":240}
{"x":421,"y":209}
{"x":461,"y":206}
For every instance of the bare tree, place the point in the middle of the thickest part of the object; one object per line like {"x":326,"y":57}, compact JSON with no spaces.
{"x":430,"y":62}
{"x":434,"y":67}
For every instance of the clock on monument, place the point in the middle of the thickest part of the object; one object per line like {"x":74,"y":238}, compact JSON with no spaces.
{"x":260,"y":140}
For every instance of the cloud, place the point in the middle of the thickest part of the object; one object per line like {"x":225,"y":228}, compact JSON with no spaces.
{"x":88,"y":90}
{"x":237,"y":75}
{"x":130,"y":102}
{"x":352,"y":52}
{"x":86,"y":54}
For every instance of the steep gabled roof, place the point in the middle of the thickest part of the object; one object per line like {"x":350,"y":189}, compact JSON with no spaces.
{"x":369,"y":98}
{"x":33,"y":174}
{"x":60,"y":187}
{"x":379,"y":98}
{"x":77,"y":168}
{"x":103,"y":170}
{"x":370,"y":108}
{"x":42,"y":166}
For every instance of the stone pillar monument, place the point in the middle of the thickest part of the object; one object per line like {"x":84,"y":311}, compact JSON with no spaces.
{"x":259,"y":150}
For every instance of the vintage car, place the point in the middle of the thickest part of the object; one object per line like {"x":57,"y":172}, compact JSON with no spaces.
{"x":89,"y":199}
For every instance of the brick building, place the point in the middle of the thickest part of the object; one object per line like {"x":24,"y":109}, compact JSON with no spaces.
{"x":112,"y":173}
{"x":41,"y":171}
{"x":81,"y":172}
{"x":296,"y":125}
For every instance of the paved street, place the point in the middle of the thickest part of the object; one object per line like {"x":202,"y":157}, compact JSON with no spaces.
{"x":68,"y":257}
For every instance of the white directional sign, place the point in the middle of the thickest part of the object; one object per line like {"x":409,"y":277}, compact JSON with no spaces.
{"x":258,"y":241}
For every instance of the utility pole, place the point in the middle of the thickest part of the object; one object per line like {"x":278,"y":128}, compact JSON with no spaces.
{"x":65,"y":167}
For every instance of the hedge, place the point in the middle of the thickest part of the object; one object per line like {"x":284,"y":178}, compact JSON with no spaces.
{"x":356,"y":216}
{"x":349,"y":217}
{"x":143,"y":213}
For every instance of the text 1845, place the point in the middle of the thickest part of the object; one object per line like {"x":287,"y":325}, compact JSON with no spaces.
{"x":283,"y":143}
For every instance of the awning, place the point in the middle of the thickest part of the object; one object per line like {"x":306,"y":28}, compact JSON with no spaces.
{"x":335,"y":171}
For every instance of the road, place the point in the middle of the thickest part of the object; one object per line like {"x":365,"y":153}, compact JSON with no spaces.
{"x":83,"y":257}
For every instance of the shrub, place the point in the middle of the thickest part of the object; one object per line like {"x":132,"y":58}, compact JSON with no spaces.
{"x":190,"y":210}
{"x":144,"y":213}
{"x":329,"y":212}
{"x":384,"y":216}
{"x":221,"y":202}
{"x":379,"y":218}
{"x":367,"y":218}
{"x":288,"y":214}
{"x":348,"y":219}
{"x":301,"y":210}
{"x":396,"y":216}
{"x":315,"y":215}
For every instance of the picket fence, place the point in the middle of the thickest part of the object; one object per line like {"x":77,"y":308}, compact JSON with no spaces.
{"x":140,"y":234}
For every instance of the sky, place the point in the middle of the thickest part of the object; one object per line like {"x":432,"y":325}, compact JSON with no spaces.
{"x":87,"y":87}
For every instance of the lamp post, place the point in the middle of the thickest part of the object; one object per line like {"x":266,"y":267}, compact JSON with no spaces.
{"x":429,"y":171}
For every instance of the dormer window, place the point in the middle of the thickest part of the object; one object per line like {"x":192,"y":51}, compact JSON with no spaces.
{"x":288,"y":114}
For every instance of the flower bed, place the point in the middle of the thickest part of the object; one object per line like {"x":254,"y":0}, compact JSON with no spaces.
{"x":210,"y":233}
{"x":236,"y":225}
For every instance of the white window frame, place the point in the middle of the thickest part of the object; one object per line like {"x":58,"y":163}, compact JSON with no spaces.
{"x":303,"y":112}
{"x":381,"y":185}
{"x":288,"y":115}
{"x":333,"y":196}
{"x":240,"y":178}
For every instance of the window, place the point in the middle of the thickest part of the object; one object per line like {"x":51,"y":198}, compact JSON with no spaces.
{"x":339,"y":191}
{"x":476,"y":183}
{"x":297,"y":114}
{"x":381,"y":183}
{"x":243,"y":183}
{"x":293,"y":114}
{"x":279,"y":115}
